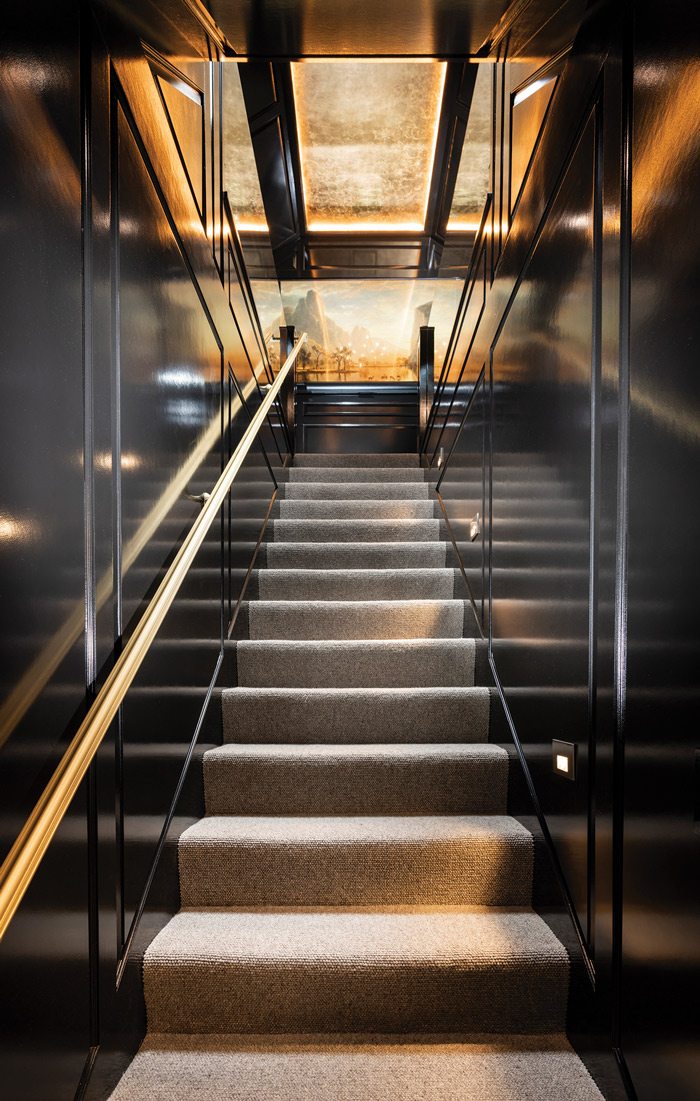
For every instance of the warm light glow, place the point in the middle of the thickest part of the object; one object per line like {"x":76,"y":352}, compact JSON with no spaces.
{"x":530,"y":89}
{"x":240,"y":174}
{"x":366,"y":227}
{"x":13,"y":530}
{"x":474,"y":172}
{"x":367,"y":170}
{"x":463,"y":227}
{"x":562,"y":763}
{"x":252,"y":227}
{"x":130,"y":461}
{"x":433,"y":146}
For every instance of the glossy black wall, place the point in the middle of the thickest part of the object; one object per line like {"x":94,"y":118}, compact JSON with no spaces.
{"x":583,"y":458}
{"x":46,"y":953}
{"x":660,"y":889}
{"x":132,"y":359}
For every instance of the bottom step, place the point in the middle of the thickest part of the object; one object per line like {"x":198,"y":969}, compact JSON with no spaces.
{"x":368,"y":1068}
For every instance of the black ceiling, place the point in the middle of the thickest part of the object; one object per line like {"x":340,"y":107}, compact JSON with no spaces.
{"x":357,"y":28}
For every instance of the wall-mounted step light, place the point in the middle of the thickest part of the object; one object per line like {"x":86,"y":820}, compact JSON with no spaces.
{"x":564,"y":759}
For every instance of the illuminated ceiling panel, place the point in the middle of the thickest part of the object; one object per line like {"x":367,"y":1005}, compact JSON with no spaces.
{"x":474,"y":175}
{"x":367,"y":133}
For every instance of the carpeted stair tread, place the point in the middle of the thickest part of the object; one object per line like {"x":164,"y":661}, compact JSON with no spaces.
{"x":390,"y":459}
{"x":356,"y":584}
{"x":356,"y":918}
{"x":355,"y":714}
{"x":352,"y":861}
{"x":360,"y":1068}
{"x":384,"y":970}
{"x":356,"y":510}
{"x":356,"y":619}
{"x":355,"y":531}
{"x":365,"y":555}
{"x":340,"y":779}
{"x":350,"y":491}
{"x":356,"y":663}
{"x":356,"y":474}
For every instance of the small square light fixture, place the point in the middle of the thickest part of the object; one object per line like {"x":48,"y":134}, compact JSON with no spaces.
{"x":564,"y":759}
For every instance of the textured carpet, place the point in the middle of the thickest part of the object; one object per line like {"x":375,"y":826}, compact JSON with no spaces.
{"x":356,"y":663}
{"x":357,"y":872}
{"x":357,"y":510}
{"x":356,"y":714}
{"x":370,"y":619}
{"x":370,"y":1068}
{"x":439,"y":970}
{"x":355,"y":531}
{"x":356,"y":584}
{"x":366,"y":555}
{"x":356,"y":779}
{"x":349,"y":491}
{"x":330,"y":474}
{"x":360,"y":460}
{"x":325,"y":861}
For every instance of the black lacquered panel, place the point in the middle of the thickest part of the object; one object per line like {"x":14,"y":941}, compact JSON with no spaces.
{"x":44,"y":956}
{"x":661,"y":860}
{"x":541,"y":537}
{"x":169,"y":378}
{"x":41,"y":395}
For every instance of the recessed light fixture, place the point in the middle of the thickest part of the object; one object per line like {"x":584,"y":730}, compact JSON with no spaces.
{"x":564,"y":759}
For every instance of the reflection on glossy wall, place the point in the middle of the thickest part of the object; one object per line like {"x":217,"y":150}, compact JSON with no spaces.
{"x":371,"y":163}
{"x":543,"y":374}
{"x":362,"y":330}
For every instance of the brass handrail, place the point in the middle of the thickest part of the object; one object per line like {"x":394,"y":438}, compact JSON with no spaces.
{"x":26,"y":854}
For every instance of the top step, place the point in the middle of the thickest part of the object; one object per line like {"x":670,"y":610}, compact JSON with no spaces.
{"x":347,"y":460}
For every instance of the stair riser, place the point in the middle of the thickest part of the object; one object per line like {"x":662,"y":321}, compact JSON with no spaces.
{"x":259,"y":716}
{"x":338,"y":556}
{"x":471,"y":873}
{"x":361,"y":460}
{"x":364,"y":491}
{"x":445,"y":785}
{"x":296,"y":620}
{"x":359,"y":510}
{"x":355,"y":474}
{"x":356,"y":531}
{"x":356,"y":585}
{"x":283,"y":665}
{"x":219,"y":998}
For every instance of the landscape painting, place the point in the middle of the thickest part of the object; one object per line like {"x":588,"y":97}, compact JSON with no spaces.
{"x":367,"y":329}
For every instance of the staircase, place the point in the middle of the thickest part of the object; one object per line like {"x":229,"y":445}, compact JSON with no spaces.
{"x":356,"y":916}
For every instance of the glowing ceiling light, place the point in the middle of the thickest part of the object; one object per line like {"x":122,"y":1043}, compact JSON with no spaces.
{"x":366,"y":227}
{"x":353,"y":163}
{"x":252,"y":227}
{"x":463,"y":227}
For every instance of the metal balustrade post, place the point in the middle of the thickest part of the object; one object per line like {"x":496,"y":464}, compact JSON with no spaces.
{"x":288,"y":395}
{"x":426,"y":378}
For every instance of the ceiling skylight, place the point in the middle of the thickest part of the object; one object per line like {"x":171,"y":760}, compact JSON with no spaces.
{"x":367,"y":133}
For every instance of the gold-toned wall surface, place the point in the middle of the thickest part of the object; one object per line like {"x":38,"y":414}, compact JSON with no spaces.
{"x":367,"y":135}
{"x":240,"y":174}
{"x":474,"y":174}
